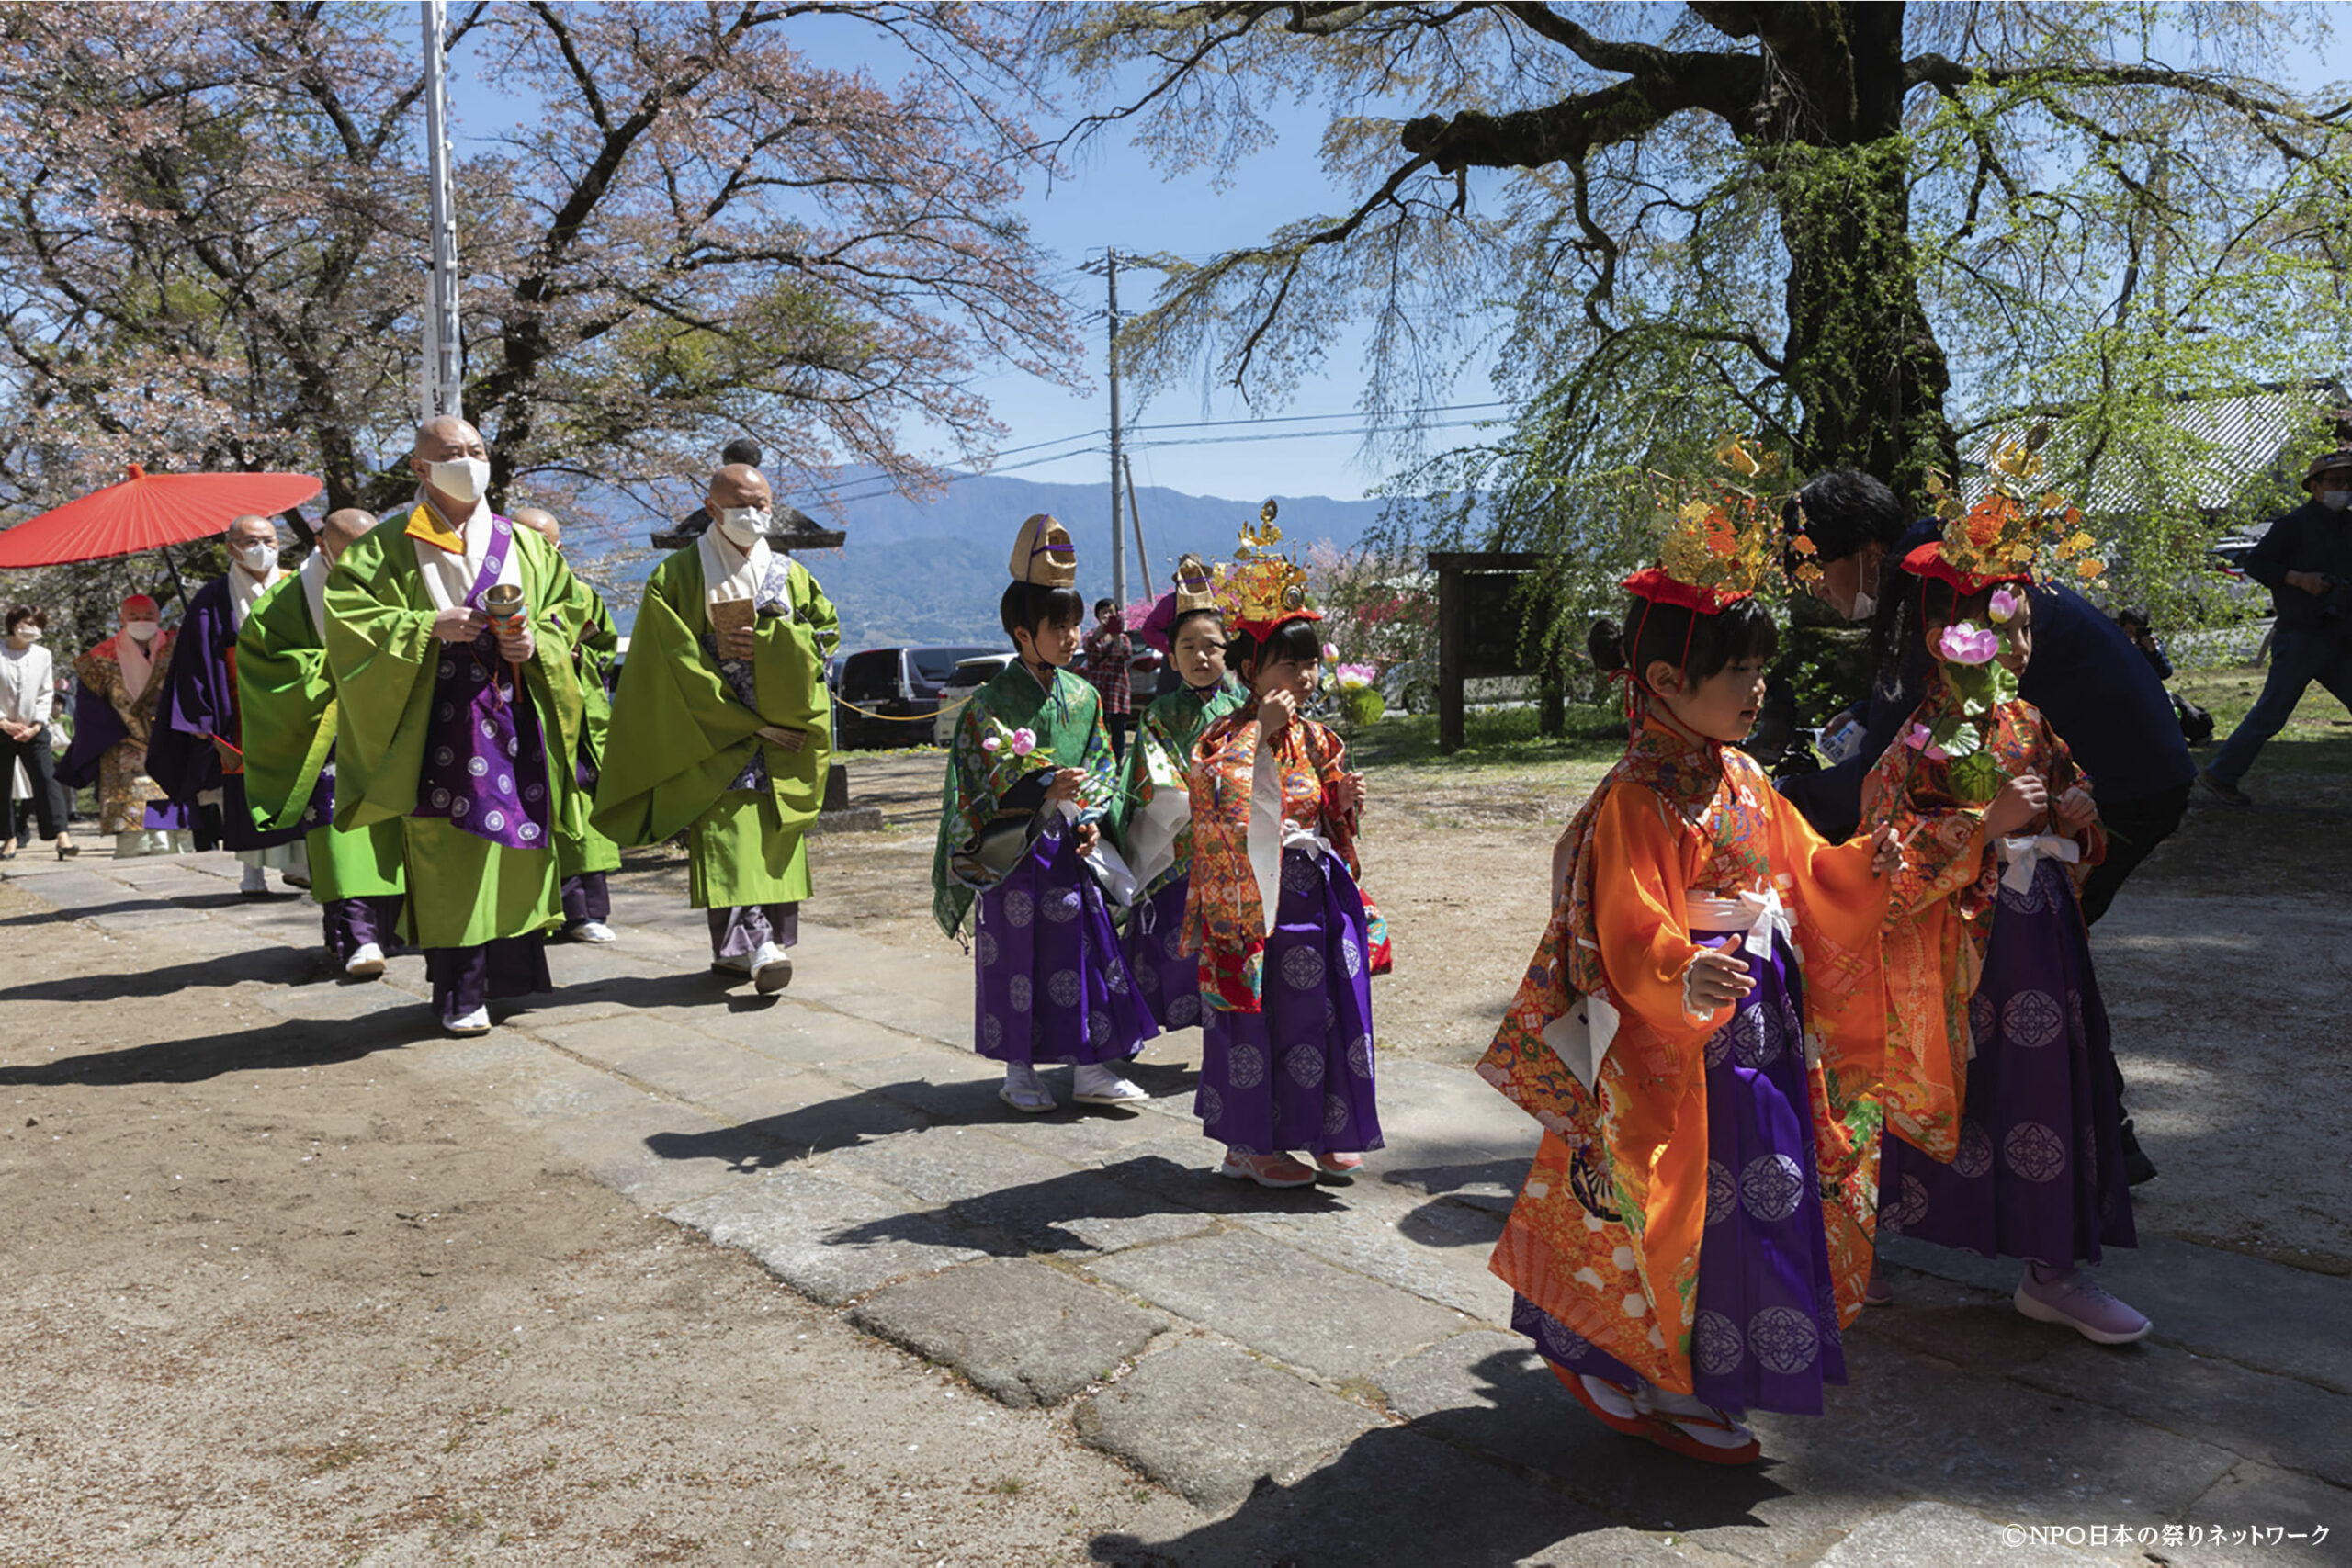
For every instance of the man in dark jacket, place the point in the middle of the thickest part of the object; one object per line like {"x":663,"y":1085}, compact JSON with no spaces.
{"x":2084,"y":673}
{"x":2306,"y":562}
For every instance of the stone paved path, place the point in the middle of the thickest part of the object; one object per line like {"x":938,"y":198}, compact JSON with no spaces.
{"x":1324,"y":1374}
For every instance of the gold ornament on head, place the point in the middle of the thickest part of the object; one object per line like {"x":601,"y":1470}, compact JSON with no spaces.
{"x":1723,"y":538}
{"x":1263,"y":586}
{"x":1195,"y":585}
{"x":1042,"y":554}
{"x":2017,"y":528}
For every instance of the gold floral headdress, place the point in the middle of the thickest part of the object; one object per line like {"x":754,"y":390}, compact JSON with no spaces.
{"x":2016,"y":532}
{"x":1723,"y":539}
{"x":1263,"y":587}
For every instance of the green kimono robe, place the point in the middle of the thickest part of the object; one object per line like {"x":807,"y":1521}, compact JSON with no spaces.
{"x":287,"y":698}
{"x":598,"y":649}
{"x":683,"y":740}
{"x":1066,"y":719}
{"x":463,"y":890}
{"x":1151,"y":819}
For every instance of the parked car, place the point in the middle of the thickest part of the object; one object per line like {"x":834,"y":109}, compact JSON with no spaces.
{"x":968,"y":677}
{"x":899,"y":688}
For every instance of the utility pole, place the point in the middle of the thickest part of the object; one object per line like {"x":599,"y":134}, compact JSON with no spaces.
{"x":441,"y":391}
{"x":1118,"y":535}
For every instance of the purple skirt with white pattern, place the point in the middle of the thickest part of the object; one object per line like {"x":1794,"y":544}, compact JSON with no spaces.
{"x":1764,"y":1333}
{"x":1052,"y":983}
{"x":1169,"y":978}
{"x":2039,"y":1173}
{"x":1298,"y":1075}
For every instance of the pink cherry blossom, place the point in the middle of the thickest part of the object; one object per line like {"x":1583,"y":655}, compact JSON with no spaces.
{"x":1965,"y":643}
{"x":2005,"y":605}
{"x":1922,"y":740}
{"x":1024,"y":742}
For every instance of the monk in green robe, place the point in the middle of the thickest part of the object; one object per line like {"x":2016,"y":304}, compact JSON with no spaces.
{"x":286,"y":696}
{"x":722,"y":726}
{"x":459,"y":714}
{"x":586,"y":860}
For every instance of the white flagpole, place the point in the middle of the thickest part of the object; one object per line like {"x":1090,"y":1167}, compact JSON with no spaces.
{"x":442,"y":388}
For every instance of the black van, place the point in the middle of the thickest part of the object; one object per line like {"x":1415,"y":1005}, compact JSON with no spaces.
{"x":899,"y":687}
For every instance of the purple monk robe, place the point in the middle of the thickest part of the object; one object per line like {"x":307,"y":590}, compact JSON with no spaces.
{"x":485,"y":760}
{"x":351,"y":924}
{"x":1169,"y":976}
{"x":1298,"y":1075}
{"x":1764,"y":1331}
{"x":1052,"y":983}
{"x":2039,"y":1171}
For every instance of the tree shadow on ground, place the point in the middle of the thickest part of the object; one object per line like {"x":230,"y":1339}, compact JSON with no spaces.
{"x":693,"y":989}
{"x":770,"y":1142}
{"x":296,"y":1042}
{"x":271,"y":965}
{"x":62,"y":916}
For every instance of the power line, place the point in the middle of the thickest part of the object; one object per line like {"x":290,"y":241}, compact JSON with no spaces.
{"x":1309,"y":418}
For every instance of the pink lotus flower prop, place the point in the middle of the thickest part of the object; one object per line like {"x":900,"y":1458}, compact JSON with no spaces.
{"x":1922,"y":740}
{"x":990,"y":744}
{"x":1354,"y":677}
{"x":1965,"y":643}
{"x":2004,"y":606}
{"x":1024,"y":741}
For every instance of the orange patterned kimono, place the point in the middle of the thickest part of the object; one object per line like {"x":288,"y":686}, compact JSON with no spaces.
{"x":1224,"y":917}
{"x":1605,"y":1236}
{"x":1940,"y":914}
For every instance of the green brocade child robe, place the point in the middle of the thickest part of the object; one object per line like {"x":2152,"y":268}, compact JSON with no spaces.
{"x":598,"y":649}
{"x":1151,"y":820}
{"x":463,"y":891}
{"x":680,"y":739}
{"x":285,"y":700}
{"x":1067,"y":722}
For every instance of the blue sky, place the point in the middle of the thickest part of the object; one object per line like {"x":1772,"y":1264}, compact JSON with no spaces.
{"x":1115,"y":196}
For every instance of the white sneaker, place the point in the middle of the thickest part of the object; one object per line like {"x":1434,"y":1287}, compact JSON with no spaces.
{"x":591,"y":930}
{"x":366,"y":962}
{"x":771,"y":969}
{"x":474,"y":1022}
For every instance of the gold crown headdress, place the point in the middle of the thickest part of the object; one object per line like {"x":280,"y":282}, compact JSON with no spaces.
{"x":1725,"y":542}
{"x":1263,"y":587}
{"x":2017,"y":531}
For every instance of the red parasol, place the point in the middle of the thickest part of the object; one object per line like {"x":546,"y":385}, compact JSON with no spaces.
{"x":147,"y":512}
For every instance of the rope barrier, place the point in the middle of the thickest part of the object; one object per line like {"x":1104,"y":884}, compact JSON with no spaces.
{"x":906,"y":717}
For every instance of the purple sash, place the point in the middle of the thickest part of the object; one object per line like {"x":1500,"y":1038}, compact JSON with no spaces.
{"x":485,"y":764}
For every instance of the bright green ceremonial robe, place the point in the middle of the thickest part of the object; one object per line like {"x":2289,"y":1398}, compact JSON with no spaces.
{"x":1066,"y":721}
{"x":683,"y":740}
{"x":463,"y":890}
{"x":1151,"y":819}
{"x":599,"y":647}
{"x":285,"y":699}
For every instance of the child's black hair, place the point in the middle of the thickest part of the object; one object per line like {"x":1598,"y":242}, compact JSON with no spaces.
{"x":1700,"y":646}
{"x":1915,"y":604}
{"x":1177,"y":629}
{"x":1292,"y":642}
{"x":1028,"y":605}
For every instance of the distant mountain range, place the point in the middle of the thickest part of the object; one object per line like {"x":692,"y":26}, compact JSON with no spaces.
{"x":932,"y":571}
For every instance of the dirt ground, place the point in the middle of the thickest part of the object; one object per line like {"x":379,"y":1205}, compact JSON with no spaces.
{"x":270,"y":1308}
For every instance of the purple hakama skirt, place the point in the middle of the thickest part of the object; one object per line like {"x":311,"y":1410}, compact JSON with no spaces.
{"x":1052,"y":984}
{"x":2039,"y":1172}
{"x":1764,"y":1331}
{"x":1169,"y":978}
{"x":1298,"y":1075}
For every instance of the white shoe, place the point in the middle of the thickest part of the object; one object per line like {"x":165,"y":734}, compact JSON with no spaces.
{"x":257,"y":880}
{"x":474,"y":1022}
{"x":731,"y":967}
{"x":771,"y":969}
{"x":1094,"y":1084}
{"x":366,"y":962}
{"x":591,"y":930}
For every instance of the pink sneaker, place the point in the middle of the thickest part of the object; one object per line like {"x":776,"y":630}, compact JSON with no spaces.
{"x":2075,"y":1300}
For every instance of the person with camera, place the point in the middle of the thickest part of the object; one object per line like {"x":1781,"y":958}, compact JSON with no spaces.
{"x":2306,"y":562}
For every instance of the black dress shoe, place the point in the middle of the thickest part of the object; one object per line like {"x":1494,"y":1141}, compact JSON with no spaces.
{"x":2137,"y":1167}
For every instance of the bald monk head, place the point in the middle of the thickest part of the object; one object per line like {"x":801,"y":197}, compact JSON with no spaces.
{"x":253,"y":544}
{"x":540,"y":520}
{"x":451,"y":462}
{"x":340,"y":529}
{"x":737,"y":484}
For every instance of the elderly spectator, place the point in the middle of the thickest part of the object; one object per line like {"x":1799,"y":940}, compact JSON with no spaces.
{"x":1108,"y":654}
{"x":114,"y":713}
{"x":2306,"y":562}
{"x":27,"y":697}
{"x":196,"y":753}
{"x":2084,"y":673}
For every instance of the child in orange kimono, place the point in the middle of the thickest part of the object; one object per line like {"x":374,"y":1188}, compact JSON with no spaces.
{"x":1287,"y":941}
{"x":1698,"y":1036}
{"x":2003,"y":1129}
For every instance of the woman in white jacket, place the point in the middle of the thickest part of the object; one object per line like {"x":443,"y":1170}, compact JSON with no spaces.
{"x":28,"y":696}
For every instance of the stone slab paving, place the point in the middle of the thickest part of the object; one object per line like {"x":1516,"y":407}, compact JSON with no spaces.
{"x":1326,"y":1372}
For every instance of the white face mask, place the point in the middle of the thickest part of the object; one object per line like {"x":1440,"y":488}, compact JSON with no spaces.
{"x":143,"y":631}
{"x":29,"y":633}
{"x":257,"y":558}
{"x":742,"y":524}
{"x":2336,"y":500}
{"x":1865,"y":606}
{"x":464,"y":478}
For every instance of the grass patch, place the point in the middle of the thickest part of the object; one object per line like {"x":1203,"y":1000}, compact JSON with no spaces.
{"x":1493,"y":738}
